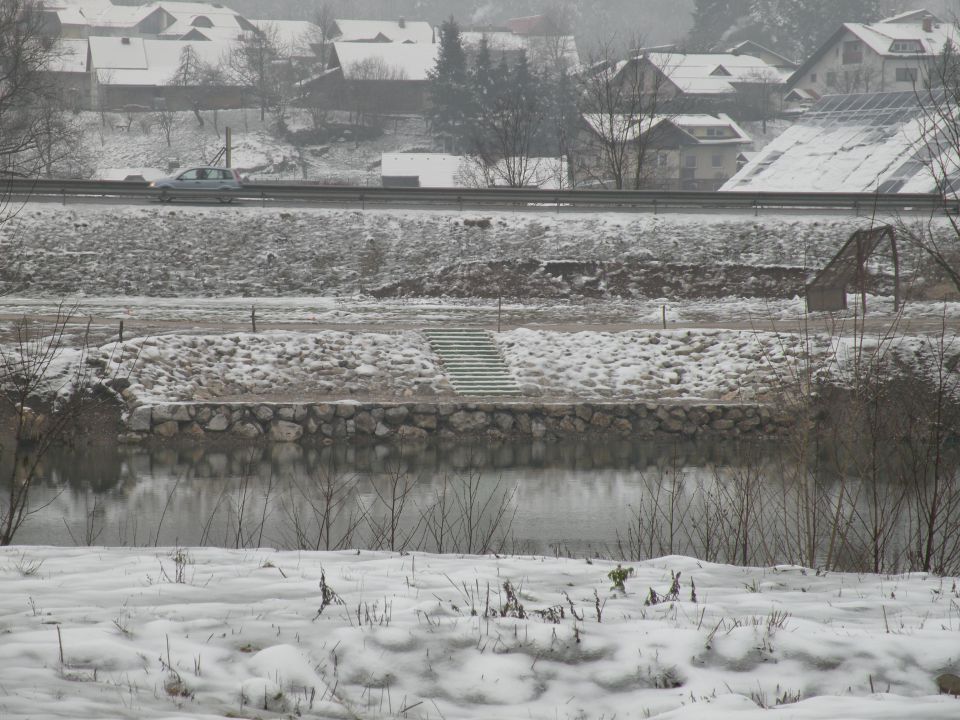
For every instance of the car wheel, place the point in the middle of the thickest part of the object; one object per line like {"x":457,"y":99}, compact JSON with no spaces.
{"x":165,"y":196}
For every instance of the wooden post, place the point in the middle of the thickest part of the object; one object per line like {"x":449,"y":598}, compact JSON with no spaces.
{"x":121,"y":331}
{"x":499,"y":309}
{"x":663,"y":315}
{"x":229,"y":150}
{"x":253,"y":317}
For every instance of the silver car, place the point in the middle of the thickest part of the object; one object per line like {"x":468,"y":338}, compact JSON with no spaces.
{"x":208,"y":181}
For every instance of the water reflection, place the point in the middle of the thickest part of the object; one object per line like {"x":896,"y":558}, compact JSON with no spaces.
{"x":746,"y":503}
{"x":528,"y":496}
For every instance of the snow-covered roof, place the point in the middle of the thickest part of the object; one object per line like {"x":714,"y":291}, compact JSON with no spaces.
{"x":846,"y":143}
{"x":434,"y":170}
{"x":625,"y":128}
{"x":148,"y":62}
{"x":880,"y":37}
{"x":442,"y":170}
{"x":295,"y":35}
{"x":134,"y":173}
{"x":406,"y":61}
{"x":539,"y":48}
{"x":70,"y":56}
{"x":713,"y":73}
{"x":407,"y":31}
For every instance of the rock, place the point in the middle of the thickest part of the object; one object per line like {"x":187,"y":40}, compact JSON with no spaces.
{"x":218,"y":423}
{"x":284,"y":431}
{"x":247,"y":430}
{"x":584,"y":412}
{"x":285,"y":413}
{"x":365,"y":423}
{"x":382,"y":430}
{"x":949,"y":683}
{"x":346,"y":410}
{"x":141,"y":419}
{"x":409,"y":432}
{"x":194,"y":430}
{"x":601,"y":420}
{"x":167,"y":429}
{"x":395,"y":415}
{"x":263,"y":413}
{"x":324,"y":412}
{"x":537,"y":428}
{"x":504,"y":421}
{"x":468,"y":422}
{"x":162,"y":413}
{"x":427,"y":422}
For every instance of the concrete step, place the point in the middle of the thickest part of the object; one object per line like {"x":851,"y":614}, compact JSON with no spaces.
{"x":473,"y":362}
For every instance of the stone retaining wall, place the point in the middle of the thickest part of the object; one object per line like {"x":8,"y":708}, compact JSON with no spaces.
{"x":328,"y":422}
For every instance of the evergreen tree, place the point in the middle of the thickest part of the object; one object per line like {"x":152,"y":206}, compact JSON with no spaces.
{"x":799,"y":27}
{"x":449,"y":89}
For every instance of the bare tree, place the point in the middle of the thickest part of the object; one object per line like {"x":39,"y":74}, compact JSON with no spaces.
{"x":325,"y":20}
{"x":622,"y":102}
{"x":258,"y":62}
{"x":45,"y":389}
{"x":937,"y":149}
{"x":366,"y":82}
{"x":166,"y":121}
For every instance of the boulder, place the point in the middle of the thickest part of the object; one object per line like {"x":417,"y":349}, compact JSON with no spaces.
{"x":284,"y":431}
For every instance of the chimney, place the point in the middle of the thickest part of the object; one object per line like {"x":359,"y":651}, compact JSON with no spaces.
{"x":927,"y":24}
{"x":403,"y":23}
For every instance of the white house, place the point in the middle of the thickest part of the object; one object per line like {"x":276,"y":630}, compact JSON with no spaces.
{"x":886,"y":56}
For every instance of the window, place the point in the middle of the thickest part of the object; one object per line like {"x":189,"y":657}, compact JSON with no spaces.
{"x":906,"y":75}
{"x":852,"y":52}
{"x":189,"y":175}
{"x":906,"y":46}
{"x":716,"y":161}
{"x":690,"y":161}
{"x":714,"y":132}
{"x":832,"y":79}
{"x":663,"y":159}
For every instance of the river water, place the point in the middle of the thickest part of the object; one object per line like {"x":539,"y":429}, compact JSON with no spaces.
{"x":537,"y":497}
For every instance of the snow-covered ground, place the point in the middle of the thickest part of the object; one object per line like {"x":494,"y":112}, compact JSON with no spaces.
{"x":191,"y":632}
{"x":117,"y":140}
{"x":55,"y":251}
{"x":281,"y":365}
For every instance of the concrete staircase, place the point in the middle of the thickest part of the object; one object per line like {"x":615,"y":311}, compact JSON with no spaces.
{"x":473,"y":362}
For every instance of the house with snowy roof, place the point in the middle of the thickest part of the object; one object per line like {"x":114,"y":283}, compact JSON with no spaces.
{"x":376,"y":78}
{"x":383,"y":31}
{"x":741,"y":85}
{"x":678,"y":152}
{"x":140,"y":72}
{"x":862,"y":142}
{"x":886,"y":56}
{"x":173,"y":20}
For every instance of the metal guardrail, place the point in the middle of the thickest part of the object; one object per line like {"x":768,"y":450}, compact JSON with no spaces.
{"x":860,"y":203}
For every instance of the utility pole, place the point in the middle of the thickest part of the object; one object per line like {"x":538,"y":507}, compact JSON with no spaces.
{"x":229,"y":138}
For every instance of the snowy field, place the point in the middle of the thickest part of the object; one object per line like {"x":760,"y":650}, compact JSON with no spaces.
{"x":679,"y":364}
{"x":177,"y":633}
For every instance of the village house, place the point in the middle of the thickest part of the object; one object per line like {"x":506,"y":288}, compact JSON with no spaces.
{"x":677,"y":152}
{"x":743,"y":86}
{"x":887,"y":56}
{"x":377,"y":78}
{"x":173,"y":20}
{"x":383,"y":31}
{"x":544,"y":44}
